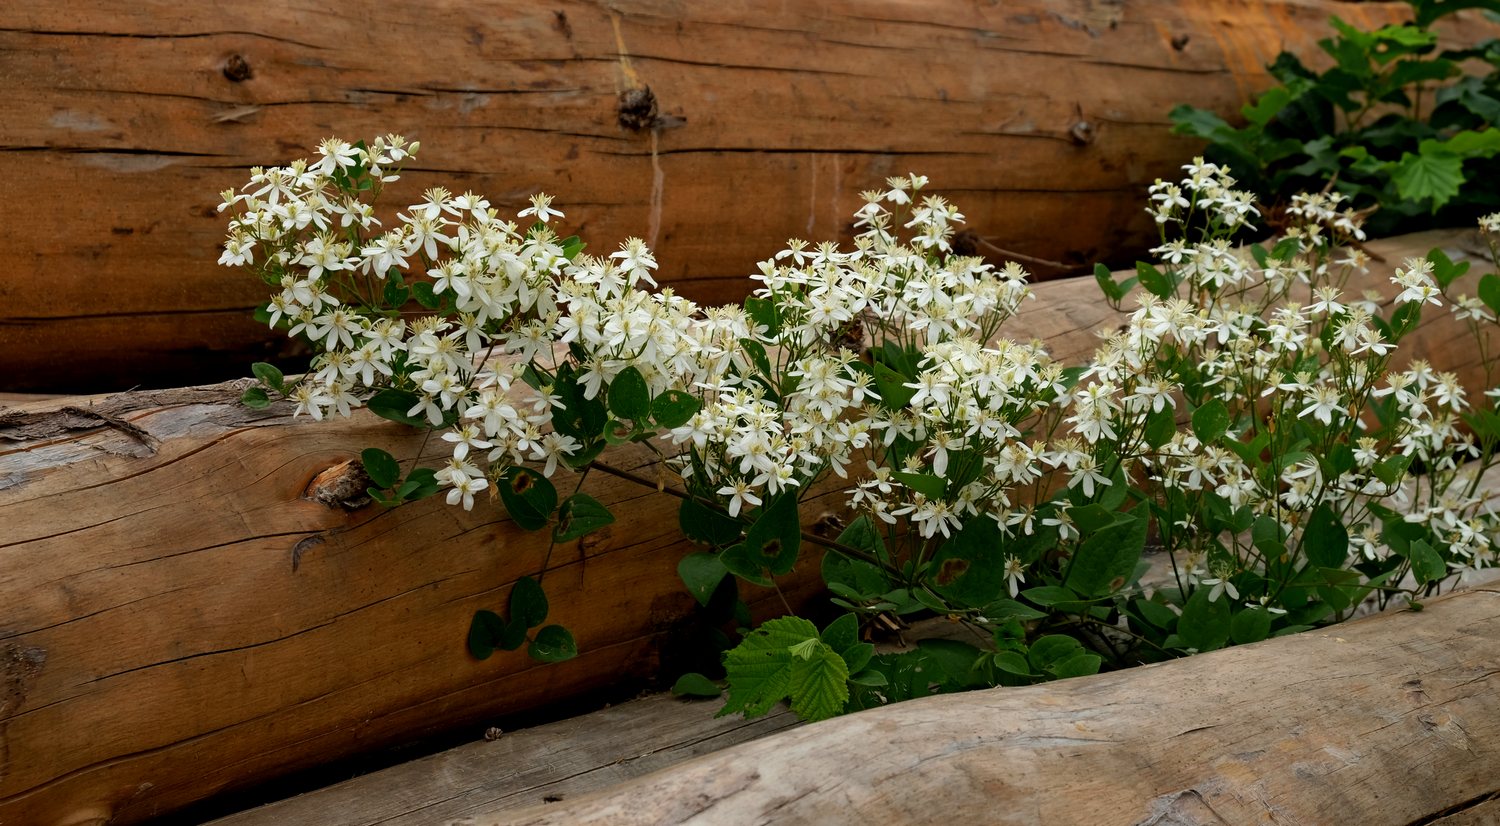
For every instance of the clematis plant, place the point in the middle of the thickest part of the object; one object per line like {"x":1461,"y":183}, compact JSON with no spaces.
{"x":1250,"y":455}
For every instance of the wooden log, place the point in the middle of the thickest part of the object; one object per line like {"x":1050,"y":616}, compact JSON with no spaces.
{"x":559,"y":763}
{"x":1045,"y":119}
{"x":183,"y":617}
{"x":1394,"y":719}
{"x":546,"y":764}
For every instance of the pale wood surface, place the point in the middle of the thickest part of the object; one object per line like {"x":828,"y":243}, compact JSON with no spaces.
{"x":159,"y":645}
{"x":1394,"y":719}
{"x":1044,"y":119}
{"x":546,"y":764}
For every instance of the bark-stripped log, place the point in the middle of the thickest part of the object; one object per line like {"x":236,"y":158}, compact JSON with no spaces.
{"x":1394,"y":719}
{"x":181,"y":616}
{"x":1044,"y":119}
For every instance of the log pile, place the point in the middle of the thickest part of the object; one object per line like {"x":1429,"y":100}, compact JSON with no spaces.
{"x":192,"y":604}
{"x":713,"y":130}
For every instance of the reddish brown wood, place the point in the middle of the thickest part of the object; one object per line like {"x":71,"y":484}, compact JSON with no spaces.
{"x":1044,"y":119}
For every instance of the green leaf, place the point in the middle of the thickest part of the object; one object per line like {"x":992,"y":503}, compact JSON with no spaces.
{"x":1049,"y":595}
{"x":629,"y":395}
{"x":1426,"y":565}
{"x":775,"y":538}
{"x":1052,"y":649}
{"x":270,"y":376}
{"x":392,"y":404}
{"x":255,"y":398}
{"x":762,"y":311}
{"x":1471,"y":144}
{"x":707,"y":526}
{"x":1104,"y":561}
{"x":1204,"y":625}
{"x":528,"y":603}
{"x":1161,"y":426}
{"x":819,"y":685}
{"x":420,"y":484}
{"x":1325,"y":541}
{"x":1444,"y":270}
{"x":553,"y":644}
{"x":674,"y":408}
{"x":1106,"y":279}
{"x":1155,"y":281}
{"x":1267,"y":106}
{"x":1432,"y":174}
{"x":702,"y":573}
{"x":747,"y":566}
{"x":1210,"y":421}
{"x":842,"y":633}
{"x":484,"y":629}
{"x":528,"y":496}
{"x":1078,"y":665}
{"x":969,"y":568}
{"x":395,"y":294}
{"x":759,"y":669}
{"x":1489,"y":291}
{"x":580,"y":515}
{"x":422,"y":292}
{"x":693,"y":684}
{"x":891,"y":385}
{"x":381,"y":467}
{"x":926,"y":484}
{"x":1250,"y":625}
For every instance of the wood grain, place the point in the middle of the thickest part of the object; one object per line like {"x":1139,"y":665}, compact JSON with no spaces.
{"x":1044,"y":119}
{"x":546,"y":764}
{"x":1387,"y":720}
{"x":182,"y":618}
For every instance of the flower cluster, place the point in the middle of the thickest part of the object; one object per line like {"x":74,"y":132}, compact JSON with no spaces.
{"x":1248,"y":409}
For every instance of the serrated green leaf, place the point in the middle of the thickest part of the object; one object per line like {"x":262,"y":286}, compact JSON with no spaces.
{"x":1430,"y":175}
{"x":819,"y":685}
{"x":759,"y":669}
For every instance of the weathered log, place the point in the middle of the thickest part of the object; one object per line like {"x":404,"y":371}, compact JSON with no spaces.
{"x":1394,"y":719}
{"x":713,"y":130}
{"x":514,"y":770}
{"x":557,"y":764}
{"x":183,"y":616}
